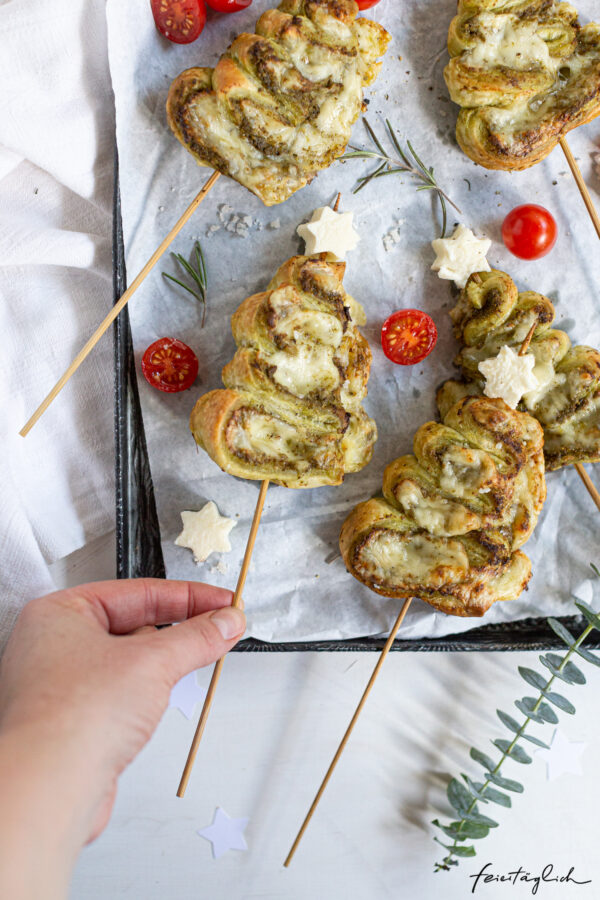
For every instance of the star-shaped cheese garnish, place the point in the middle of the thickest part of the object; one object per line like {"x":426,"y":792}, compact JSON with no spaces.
{"x":563,"y":757}
{"x":329,"y":232}
{"x":205,"y":532}
{"x":460,"y":255}
{"x":508,"y":376}
{"x":225,"y":833}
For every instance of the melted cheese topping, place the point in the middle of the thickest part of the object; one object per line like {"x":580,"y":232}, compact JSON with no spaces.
{"x":466,"y":472}
{"x":414,"y":560}
{"x":310,"y":369}
{"x":266,"y":436}
{"x":547,"y":381}
{"x":303,"y":324}
{"x":435,"y":514}
{"x":509,"y":43}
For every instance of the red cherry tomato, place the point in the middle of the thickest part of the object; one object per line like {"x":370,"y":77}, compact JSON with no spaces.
{"x":408,"y":336}
{"x":169,"y":365}
{"x":366,"y":4}
{"x":228,"y":6}
{"x":180,"y":21}
{"x":529,"y":231}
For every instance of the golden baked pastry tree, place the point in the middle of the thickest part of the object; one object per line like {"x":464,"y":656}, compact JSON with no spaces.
{"x":276,"y":109}
{"x":291,"y":411}
{"x":492,"y":313}
{"x":525,"y":73}
{"x":450,"y":523}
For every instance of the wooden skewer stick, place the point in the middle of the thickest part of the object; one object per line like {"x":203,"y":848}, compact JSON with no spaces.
{"x":583,"y":190}
{"x":588,"y":483}
{"x":105,"y":325}
{"x":527,"y":340}
{"x":595,"y":217}
{"x":238,"y":604}
{"x":349,"y":730}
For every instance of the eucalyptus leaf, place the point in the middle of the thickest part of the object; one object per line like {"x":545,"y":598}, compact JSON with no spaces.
{"x":592,"y":617}
{"x":517,"y":753}
{"x":547,"y":713}
{"x":498,"y":797}
{"x":560,"y":701}
{"x":563,"y":633}
{"x":588,"y":656}
{"x":507,"y":720}
{"x":533,"y":678}
{"x":475,"y":789}
{"x":568,"y":673}
{"x":480,"y":819}
{"x":463,"y":830}
{"x":535,"y":740}
{"x":526,"y":706}
{"x":507,"y":783}
{"x":464,"y":851}
{"x":482,"y":759}
{"x":457,"y":851}
{"x":458,"y":796}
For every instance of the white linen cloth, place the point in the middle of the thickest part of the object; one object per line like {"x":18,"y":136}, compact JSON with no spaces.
{"x":56,"y":175}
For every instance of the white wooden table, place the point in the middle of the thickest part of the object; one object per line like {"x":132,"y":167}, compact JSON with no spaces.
{"x":275,"y":724}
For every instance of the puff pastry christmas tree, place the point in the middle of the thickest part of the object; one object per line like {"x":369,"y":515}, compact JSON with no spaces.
{"x":279,"y":105}
{"x":291,"y":411}
{"x":454,"y":514}
{"x":525,"y":74}
{"x":490,"y":314}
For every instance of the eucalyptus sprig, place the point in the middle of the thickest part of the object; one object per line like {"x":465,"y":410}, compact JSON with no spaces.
{"x":408,"y":163}
{"x":197,"y":274}
{"x":465,"y":797}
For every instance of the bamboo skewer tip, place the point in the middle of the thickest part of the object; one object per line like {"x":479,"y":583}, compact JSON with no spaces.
{"x":349,"y":730}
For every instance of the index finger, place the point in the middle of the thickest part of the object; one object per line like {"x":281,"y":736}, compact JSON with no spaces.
{"x":121,"y":606}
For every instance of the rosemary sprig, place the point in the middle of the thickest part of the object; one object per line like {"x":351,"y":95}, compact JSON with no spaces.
{"x":408,"y":163}
{"x":197,"y":274}
{"x":464,"y":798}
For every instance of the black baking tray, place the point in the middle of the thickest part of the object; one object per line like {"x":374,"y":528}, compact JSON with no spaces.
{"x":139,"y":552}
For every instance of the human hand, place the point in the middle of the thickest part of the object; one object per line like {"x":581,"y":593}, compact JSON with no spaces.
{"x":84,"y":681}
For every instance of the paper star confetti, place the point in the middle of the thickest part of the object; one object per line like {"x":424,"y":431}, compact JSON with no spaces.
{"x":509,"y":376}
{"x":205,"y":532}
{"x":186,"y":694}
{"x":563,"y":757}
{"x":459,"y":256}
{"x":225,"y":833}
{"x":329,"y":232}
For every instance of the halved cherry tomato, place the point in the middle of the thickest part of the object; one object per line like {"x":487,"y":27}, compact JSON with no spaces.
{"x":366,"y":4}
{"x":180,"y":21}
{"x":169,"y":365}
{"x":228,"y":6}
{"x":408,"y":336}
{"x":529,"y":231}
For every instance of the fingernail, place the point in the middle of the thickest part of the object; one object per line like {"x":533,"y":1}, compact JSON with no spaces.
{"x":229,"y":621}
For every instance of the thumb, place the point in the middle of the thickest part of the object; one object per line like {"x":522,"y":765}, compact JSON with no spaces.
{"x":198,"y":641}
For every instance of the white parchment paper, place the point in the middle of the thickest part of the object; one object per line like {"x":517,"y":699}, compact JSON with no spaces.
{"x":292,"y":592}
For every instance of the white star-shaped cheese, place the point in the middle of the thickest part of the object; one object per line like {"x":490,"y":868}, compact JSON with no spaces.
{"x":205,"y":532}
{"x":329,"y":232}
{"x":460,"y":255}
{"x":225,"y":833}
{"x":508,"y":376}
{"x":563,"y":757}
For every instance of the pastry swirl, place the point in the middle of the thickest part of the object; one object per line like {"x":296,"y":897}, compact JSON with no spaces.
{"x":291,"y":411}
{"x":525,"y":74}
{"x":454,"y":513}
{"x":491,"y":313}
{"x":279,"y":105}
